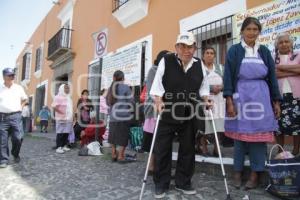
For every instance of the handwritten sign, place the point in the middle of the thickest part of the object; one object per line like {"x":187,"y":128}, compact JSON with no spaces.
{"x":276,"y":17}
{"x":128,"y":61}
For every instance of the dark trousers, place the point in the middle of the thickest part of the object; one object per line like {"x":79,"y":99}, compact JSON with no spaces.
{"x":10,"y":124}
{"x":163,"y":154}
{"x":77,"y":130}
{"x":61,"y":139}
{"x":44,"y":125}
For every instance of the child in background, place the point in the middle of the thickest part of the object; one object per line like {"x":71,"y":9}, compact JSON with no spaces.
{"x":44,"y":116}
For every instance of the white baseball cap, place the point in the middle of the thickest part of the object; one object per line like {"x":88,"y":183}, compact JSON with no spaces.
{"x":187,"y":38}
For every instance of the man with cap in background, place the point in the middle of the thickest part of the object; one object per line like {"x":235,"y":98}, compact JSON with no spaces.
{"x":12,"y":98}
{"x":178,"y":82}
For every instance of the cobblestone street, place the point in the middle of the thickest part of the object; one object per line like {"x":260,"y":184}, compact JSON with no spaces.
{"x":43,"y":174}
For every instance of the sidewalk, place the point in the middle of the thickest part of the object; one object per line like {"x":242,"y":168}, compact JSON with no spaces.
{"x":43,"y":174}
{"x":212,"y":165}
{"x":50,"y":135}
{"x":207,"y":165}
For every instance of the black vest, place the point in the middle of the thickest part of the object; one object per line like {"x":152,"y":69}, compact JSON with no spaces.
{"x":180,"y":87}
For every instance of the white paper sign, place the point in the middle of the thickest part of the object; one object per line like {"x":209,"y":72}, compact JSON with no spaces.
{"x":128,"y":61}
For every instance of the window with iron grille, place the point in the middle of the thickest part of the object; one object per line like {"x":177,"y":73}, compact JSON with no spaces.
{"x":94,"y":80}
{"x":38,"y":59}
{"x":39,"y":99}
{"x":117,"y":4}
{"x":217,"y":34}
{"x":26,"y":66}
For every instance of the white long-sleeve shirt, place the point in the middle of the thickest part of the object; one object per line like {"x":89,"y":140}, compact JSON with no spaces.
{"x":250,"y":51}
{"x":158,"y":89}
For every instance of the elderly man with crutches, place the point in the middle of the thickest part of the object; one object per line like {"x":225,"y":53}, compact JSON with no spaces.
{"x":179,"y":78}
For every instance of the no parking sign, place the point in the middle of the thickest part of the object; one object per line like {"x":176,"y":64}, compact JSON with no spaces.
{"x":100,"y":40}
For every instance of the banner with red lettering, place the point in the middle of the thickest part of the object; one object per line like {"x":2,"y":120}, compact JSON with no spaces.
{"x":275,"y":17}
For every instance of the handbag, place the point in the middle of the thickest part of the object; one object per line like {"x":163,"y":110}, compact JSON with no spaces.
{"x":136,"y":138}
{"x":284,"y":176}
{"x":38,"y":120}
{"x":83,"y":151}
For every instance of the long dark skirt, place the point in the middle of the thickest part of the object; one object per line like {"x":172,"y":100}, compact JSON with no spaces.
{"x":119,"y":133}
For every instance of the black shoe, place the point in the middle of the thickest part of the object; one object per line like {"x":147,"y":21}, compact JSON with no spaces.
{"x":17,"y":159}
{"x":150,"y":172}
{"x":186,"y":189}
{"x":72,"y":145}
{"x":159,"y":193}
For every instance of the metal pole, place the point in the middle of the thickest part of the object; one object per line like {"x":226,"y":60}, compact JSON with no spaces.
{"x":220,"y":156}
{"x":149,"y":158}
{"x":97,"y":107}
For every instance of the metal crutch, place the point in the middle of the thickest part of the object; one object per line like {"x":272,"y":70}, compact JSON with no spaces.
{"x":220,"y":156}
{"x":149,"y":157}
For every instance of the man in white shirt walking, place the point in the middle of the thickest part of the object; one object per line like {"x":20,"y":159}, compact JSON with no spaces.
{"x":12,"y":98}
{"x":178,"y":83}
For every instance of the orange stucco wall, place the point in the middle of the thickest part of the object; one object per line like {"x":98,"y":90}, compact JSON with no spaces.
{"x":90,"y":16}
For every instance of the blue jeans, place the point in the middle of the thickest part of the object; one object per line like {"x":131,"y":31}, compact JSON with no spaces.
{"x":257,"y":155}
{"x":10,"y":124}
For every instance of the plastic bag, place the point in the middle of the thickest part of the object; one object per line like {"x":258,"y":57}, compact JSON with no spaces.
{"x":94,"y":149}
{"x":136,"y":138}
{"x":284,"y":155}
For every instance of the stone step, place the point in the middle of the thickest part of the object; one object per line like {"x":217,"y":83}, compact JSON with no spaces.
{"x":212,"y":165}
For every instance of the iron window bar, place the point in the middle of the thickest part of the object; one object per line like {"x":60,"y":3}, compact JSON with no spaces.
{"x":117,"y":4}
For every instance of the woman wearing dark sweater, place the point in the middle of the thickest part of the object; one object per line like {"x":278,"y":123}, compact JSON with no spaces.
{"x":120,"y":100}
{"x":252,"y":101}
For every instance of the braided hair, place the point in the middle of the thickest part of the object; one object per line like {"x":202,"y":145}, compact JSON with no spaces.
{"x":277,"y":58}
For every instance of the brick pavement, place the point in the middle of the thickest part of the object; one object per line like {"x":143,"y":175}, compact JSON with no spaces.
{"x":42,"y":174}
